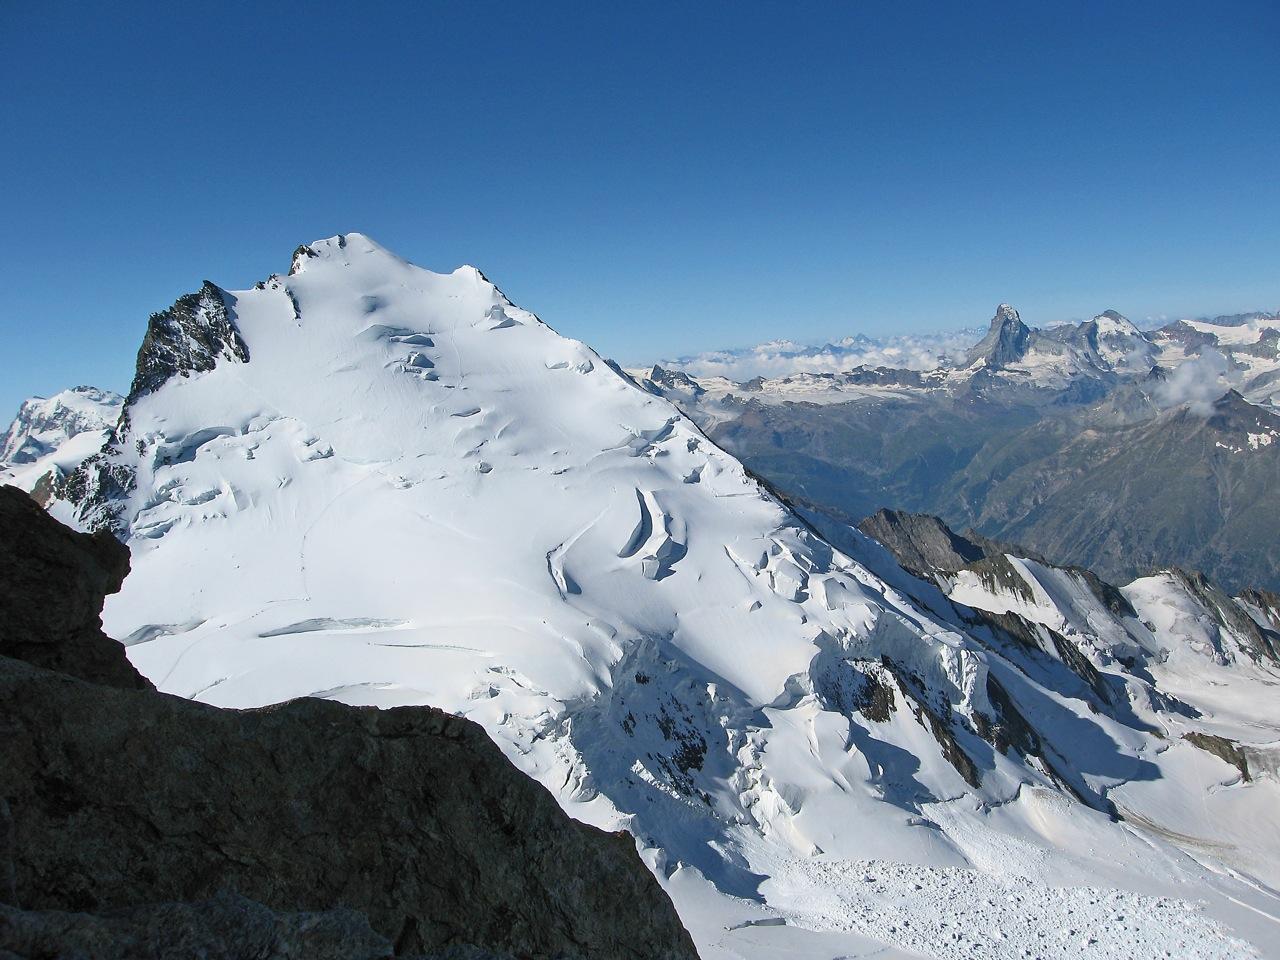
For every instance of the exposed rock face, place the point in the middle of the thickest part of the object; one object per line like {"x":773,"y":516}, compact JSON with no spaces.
{"x":1005,"y":343}
{"x":96,"y":489}
{"x":1264,"y":605}
{"x":919,"y":542}
{"x":1244,"y":626}
{"x":661,"y":379}
{"x":189,"y":337}
{"x":144,"y":810}
{"x":52,"y":581}
{"x":1225,"y":749}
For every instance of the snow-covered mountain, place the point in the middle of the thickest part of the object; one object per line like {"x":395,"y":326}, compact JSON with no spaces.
{"x":50,"y":437}
{"x":1107,"y":344}
{"x":373,"y":483}
{"x":1241,"y":351}
{"x":1058,"y":438}
{"x":1207,"y":661}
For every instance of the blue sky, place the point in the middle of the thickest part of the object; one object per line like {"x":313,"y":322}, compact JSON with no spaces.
{"x":656,"y":180}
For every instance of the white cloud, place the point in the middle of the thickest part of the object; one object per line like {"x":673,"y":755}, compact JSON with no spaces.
{"x":783,"y":358}
{"x":1198,"y":382}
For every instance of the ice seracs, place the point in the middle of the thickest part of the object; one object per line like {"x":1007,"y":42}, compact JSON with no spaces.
{"x":375,"y":483}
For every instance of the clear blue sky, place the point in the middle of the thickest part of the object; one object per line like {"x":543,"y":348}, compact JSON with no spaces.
{"x":655,"y":180}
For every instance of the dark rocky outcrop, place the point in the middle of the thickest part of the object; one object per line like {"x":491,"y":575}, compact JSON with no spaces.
{"x":52,"y":581}
{"x":922,"y":544}
{"x":1266,"y":606}
{"x":661,"y":380}
{"x":1192,"y":339}
{"x":892,"y":377}
{"x":1223,"y":749}
{"x":96,"y":490}
{"x":190,"y":337}
{"x":226,"y":927}
{"x":300,"y":256}
{"x":308,"y":829}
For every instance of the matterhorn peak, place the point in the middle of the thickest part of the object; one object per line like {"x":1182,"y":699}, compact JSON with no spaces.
{"x":1006,"y":341}
{"x":1005,"y":313}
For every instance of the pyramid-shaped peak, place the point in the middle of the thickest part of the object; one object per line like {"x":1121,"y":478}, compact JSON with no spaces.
{"x":1006,"y":342}
{"x":1005,"y":313}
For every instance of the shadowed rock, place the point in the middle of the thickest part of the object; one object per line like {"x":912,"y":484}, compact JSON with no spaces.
{"x":52,"y":581}
{"x":921,"y":543}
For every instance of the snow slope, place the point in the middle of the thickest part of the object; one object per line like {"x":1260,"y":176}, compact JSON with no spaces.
{"x":1193,"y":663}
{"x":394,"y":486}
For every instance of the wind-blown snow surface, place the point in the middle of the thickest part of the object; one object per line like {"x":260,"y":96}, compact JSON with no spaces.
{"x":416,"y":492}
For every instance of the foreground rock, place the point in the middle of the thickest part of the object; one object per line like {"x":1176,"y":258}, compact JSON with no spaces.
{"x":226,"y":927}
{"x":52,"y":581}
{"x":137,"y":823}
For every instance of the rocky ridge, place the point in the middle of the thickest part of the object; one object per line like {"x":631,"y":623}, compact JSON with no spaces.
{"x":995,"y":585}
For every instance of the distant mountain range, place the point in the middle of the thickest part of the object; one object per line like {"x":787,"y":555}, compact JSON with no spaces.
{"x":1095,"y":443}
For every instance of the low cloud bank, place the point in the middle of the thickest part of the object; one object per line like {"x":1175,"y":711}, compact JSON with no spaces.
{"x":1197,"y":382}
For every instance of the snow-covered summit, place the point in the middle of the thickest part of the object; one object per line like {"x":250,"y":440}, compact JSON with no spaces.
{"x":1111,"y":322}
{"x":51,"y":436}
{"x":43,"y":424}
{"x":375,"y":483}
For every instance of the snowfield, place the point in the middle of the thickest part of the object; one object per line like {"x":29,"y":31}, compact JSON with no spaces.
{"x":414,"y":491}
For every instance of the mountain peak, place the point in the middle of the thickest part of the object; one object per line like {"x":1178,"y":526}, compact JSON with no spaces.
{"x":374,"y":483}
{"x":1112,"y":322}
{"x":1006,"y":341}
{"x":188,"y":338}
{"x":1005,"y":313}
{"x":43,"y":424}
{"x":342,"y":246}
